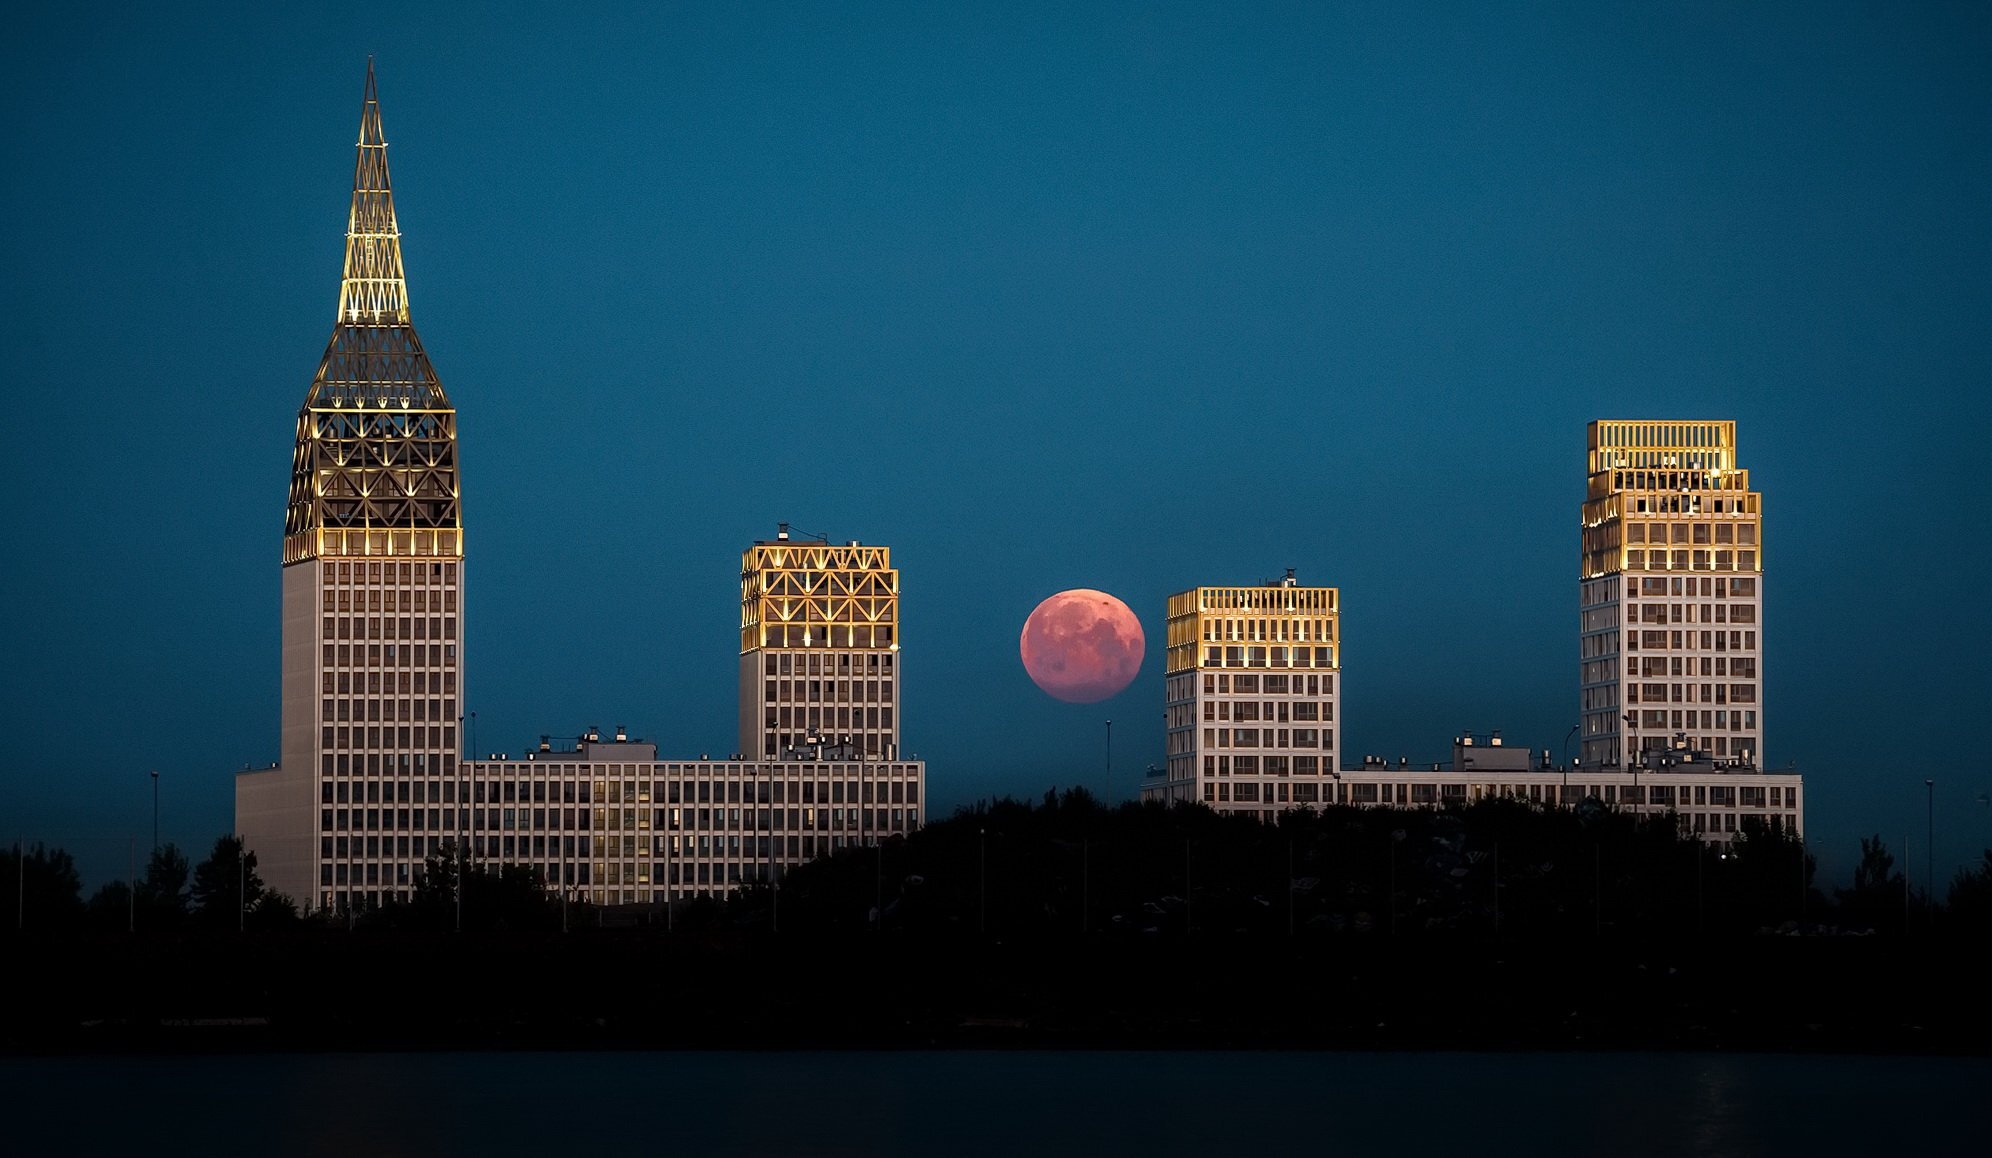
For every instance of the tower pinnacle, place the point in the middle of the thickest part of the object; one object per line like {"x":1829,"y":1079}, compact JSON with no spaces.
{"x":375,"y":467}
{"x":375,"y":287}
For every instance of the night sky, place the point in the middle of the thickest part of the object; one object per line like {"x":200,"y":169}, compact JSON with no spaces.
{"x":1132,"y":300}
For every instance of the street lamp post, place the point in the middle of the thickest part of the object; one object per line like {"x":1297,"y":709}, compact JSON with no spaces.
{"x":155,"y":810}
{"x":1930,"y":847}
{"x":1564,"y":797}
{"x":1109,"y":801}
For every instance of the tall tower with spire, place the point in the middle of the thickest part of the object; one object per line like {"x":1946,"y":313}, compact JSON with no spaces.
{"x":373,"y":558}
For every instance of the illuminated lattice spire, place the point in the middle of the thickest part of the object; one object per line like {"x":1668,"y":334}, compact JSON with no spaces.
{"x":375,"y":466}
{"x":375,"y":288}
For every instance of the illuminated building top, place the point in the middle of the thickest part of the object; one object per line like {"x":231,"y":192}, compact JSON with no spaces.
{"x":1668,"y":496}
{"x":375,"y":469}
{"x":807,"y":594}
{"x":1276,"y":625}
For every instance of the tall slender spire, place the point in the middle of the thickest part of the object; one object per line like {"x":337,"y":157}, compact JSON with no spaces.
{"x":375,"y":288}
{"x":375,"y":467}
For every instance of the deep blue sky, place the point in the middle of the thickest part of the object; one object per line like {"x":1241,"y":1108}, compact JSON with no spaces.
{"x":1132,"y":299}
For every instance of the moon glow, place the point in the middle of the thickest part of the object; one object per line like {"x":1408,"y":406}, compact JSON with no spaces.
{"x":1082,"y":646}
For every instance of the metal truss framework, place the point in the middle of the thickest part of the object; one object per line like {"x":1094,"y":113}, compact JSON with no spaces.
{"x":375,"y":467}
{"x":802,"y":595}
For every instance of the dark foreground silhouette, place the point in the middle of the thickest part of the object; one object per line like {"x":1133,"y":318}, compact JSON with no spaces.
{"x":1055,"y":924}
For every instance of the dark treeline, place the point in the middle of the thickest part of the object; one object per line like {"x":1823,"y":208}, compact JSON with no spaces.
{"x":1054,"y":922}
{"x":1499,"y":867}
{"x":1064,"y":866}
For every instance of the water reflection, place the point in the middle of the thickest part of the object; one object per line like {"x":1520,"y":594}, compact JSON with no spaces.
{"x":1039,"y":1104}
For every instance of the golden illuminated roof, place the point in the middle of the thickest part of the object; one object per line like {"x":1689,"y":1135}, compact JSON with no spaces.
{"x":816,"y":594}
{"x":1673,"y":478}
{"x":1256,"y":626}
{"x":374,"y":471}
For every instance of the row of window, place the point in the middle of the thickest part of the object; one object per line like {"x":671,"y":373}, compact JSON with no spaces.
{"x":1277,"y":711}
{"x":819,"y":719}
{"x":1683,"y":504}
{"x":1269,"y":630}
{"x":1691,"y":693}
{"x":841,"y":664}
{"x":1244,"y":683}
{"x":401,"y":764}
{"x":372,"y":682}
{"x":1696,"y":560}
{"x":1269,"y":765}
{"x":1655,"y":796}
{"x":896,"y":789}
{"x":332,"y":820}
{"x":370,"y":598}
{"x":1269,"y":657}
{"x":1743,"y":533}
{"x":405,"y":573}
{"x":1269,"y":738}
{"x":1718,"y":640}
{"x":392,"y":655}
{"x":840,"y":691}
{"x":1676,"y":719}
{"x":389,"y":627}
{"x":357,"y":710}
{"x":1651,"y":666}
{"x":1691,"y":613}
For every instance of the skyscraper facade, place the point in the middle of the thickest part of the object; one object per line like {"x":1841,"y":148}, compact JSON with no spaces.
{"x":1251,"y":683}
{"x":1670,"y":596}
{"x":819,"y":650}
{"x":373,"y":580}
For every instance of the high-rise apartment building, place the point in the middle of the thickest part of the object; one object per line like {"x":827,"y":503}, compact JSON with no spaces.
{"x":372,"y":590}
{"x":1671,"y":596}
{"x":1251,"y":682}
{"x":819,"y":650}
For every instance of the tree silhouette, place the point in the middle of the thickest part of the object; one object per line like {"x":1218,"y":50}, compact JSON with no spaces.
{"x":1971,"y":898}
{"x":50,"y":896}
{"x":162,"y":895}
{"x":1878,"y":899}
{"x":226,"y":888}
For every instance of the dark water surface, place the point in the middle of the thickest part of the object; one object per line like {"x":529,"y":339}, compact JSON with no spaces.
{"x":1039,"y":1104}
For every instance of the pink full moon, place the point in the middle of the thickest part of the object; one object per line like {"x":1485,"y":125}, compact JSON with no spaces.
{"x":1082,"y":646}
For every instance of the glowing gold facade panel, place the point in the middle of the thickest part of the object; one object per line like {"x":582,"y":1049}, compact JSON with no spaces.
{"x":819,"y":649}
{"x":1251,"y":685}
{"x":372,"y":591}
{"x":1671,"y":595}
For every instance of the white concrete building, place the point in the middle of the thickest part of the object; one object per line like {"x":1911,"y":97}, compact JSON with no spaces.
{"x":1251,"y":693}
{"x":1705,"y":794}
{"x":1671,"y":596}
{"x":609,"y":822}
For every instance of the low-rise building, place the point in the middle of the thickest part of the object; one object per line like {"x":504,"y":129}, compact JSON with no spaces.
{"x":1709,"y":796}
{"x":607,"y":821}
